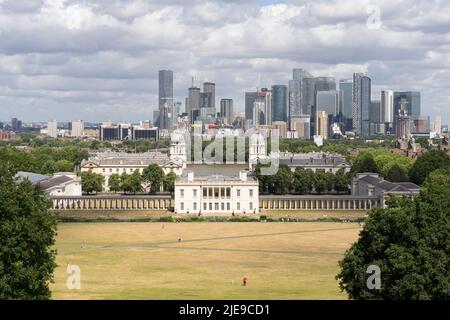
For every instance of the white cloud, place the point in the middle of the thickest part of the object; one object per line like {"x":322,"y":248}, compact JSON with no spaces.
{"x":99,"y":58}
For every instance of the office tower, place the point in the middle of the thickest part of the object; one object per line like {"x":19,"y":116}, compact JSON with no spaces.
{"x":193,"y":103}
{"x":403,"y":123}
{"x":280,"y":103}
{"x":296,"y":92}
{"x":413,"y":102}
{"x":345,"y":102}
{"x":361,"y":93}
{"x":262,"y":108}
{"x":226,"y":110}
{"x":209,"y":89}
{"x":176,"y":112}
{"x":302,"y":125}
{"x":16,"y":124}
{"x":327,"y":101}
{"x":165,"y":98}
{"x":387,"y":106}
{"x":281,"y":128}
{"x":52,"y":128}
{"x":420,"y":124}
{"x":308,"y":95}
{"x":321,"y":124}
{"x":324,"y":84}
{"x":375,"y":118}
{"x":250,"y":98}
{"x":76,"y":128}
{"x":438,"y":124}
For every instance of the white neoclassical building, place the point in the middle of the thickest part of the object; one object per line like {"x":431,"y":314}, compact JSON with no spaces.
{"x":216,"y":194}
{"x":108,"y":163}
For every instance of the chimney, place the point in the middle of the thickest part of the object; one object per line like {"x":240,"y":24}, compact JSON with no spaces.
{"x":243,"y":176}
{"x":190,"y":176}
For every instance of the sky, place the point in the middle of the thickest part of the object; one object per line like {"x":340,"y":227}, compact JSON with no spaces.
{"x":98,"y":60}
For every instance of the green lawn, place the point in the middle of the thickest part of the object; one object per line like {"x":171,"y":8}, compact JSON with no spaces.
{"x":146,"y":261}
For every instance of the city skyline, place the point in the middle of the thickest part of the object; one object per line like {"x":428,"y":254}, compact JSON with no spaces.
{"x":102,"y":61}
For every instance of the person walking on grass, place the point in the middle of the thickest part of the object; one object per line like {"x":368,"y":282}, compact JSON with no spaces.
{"x":244,"y":281}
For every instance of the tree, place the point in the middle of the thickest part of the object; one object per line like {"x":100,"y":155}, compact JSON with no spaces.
{"x":63,"y":166}
{"x":341,"y":181}
{"x":282,"y":180}
{"x":27,"y":232}
{"x":302,"y":183}
{"x":169,"y":182}
{"x":114,"y":183}
{"x":321,"y":182}
{"x":131,"y":183}
{"x":409,"y":242}
{"x":153,"y":175}
{"x":397,"y":174}
{"x":365,"y":162}
{"x":91,"y":182}
{"x":426,"y":164}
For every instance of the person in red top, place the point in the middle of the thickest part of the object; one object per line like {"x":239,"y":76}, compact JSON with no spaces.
{"x":244,"y":280}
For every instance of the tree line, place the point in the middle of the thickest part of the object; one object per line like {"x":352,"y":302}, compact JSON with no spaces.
{"x":302,"y":181}
{"x":152,"y":177}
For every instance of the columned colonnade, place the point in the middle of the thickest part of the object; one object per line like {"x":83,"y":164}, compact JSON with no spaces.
{"x":112,"y":203}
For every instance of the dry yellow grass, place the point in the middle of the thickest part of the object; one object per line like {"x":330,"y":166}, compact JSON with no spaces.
{"x":146,"y":261}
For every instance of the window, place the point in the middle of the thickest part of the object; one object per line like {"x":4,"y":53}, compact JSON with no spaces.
{"x":216,"y":192}
{"x":104,"y":170}
{"x":250,"y":192}
{"x":238,"y":192}
{"x":222,"y":192}
{"x":182,"y":205}
{"x":205,"y":192}
{"x":195,"y":205}
{"x":210,"y":206}
{"x":117,"y":169}
{"x":195,"y":193}
{"x":210,"y":192}
{"x":228,"y":206}
{"x":204,"y":206}
{"x":251,"y":205}
{"x":216,"y":206}
{"x":228,"y":192}
{"x":222,"y":206}
{"x":181,"y":193}
{"x":238,"y":205}
{"x":110,"y":169}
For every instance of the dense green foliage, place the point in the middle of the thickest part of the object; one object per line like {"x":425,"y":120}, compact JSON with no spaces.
{"x":409,"y":242}
{"x":131,"y":183}
{"x":45,"y":160}
{"x":153,"y":175}
{"x":301,"y":181}
{"x":381,"y":161}
{"x":27,"y":232}
{"x":91,"y":182}
{"x":427,"y":163}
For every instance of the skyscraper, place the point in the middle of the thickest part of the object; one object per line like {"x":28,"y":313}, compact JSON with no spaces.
{"x":361,"y":104}
{"x":250,"y":98}
{"x":226,"y":110}
{"x":438,"y":123}
{"x":280,"y":103}
{"x":165,"y":98}
{"x":262,"y":108}
{"x":327,"y":101}
{"x":296,"y":92}
{"x":387,"y":106}
{"x":193,"y":109}
{"x":413,"y":102}
{"x":321,"y":124}
{"x":76,"y":128}
{"x":403,"y":121}
{"x":345,"y":102}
